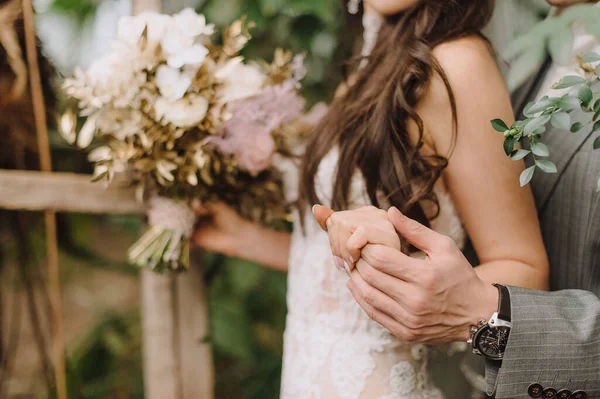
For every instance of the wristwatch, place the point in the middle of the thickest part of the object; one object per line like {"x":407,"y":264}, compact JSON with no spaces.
{"x":489,"y":338}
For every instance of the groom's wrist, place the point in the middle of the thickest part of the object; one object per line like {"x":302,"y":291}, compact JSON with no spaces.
{"x":487,"y":303}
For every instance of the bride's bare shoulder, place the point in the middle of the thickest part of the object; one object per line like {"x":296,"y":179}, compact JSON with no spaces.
{"x":477,"y":87}
{"x":466,"y":54}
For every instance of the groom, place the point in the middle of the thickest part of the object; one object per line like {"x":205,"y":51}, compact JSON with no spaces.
{"x":553,"y":348}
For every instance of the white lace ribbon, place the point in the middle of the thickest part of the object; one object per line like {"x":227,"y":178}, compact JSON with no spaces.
{"x":172,"y":215}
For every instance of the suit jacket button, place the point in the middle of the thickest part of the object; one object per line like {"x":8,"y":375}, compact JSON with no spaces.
{"x":563,"y":394}
{"x":579,"y":395}
{"x":535,"y":390}
{"x":549,"y":393}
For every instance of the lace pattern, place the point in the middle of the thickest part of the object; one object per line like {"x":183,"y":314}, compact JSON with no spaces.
{"x":332,"y":349}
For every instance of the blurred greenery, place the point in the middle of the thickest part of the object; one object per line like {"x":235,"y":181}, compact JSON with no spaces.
{"x":312,"y":26}
{"x":247,"y":301}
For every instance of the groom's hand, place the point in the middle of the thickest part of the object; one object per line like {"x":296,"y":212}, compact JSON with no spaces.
{"x":435,"y":299}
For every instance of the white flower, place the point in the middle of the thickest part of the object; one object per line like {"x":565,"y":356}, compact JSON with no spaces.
{"x":192,"y":23}
{"x":87,"y":132}
{"x":109,"y":69}
{"x":193,"y":55}
{"x":186,"y":112}
{"x":100,"y":154}
{"x":172,"y":83}
{"x":131,"y":28}
{"x":239,"y":81}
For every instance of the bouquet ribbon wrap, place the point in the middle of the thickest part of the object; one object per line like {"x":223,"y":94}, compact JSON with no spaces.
{"x":165,"y":246}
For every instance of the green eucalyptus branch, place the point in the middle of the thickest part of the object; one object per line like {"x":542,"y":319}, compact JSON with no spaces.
{"x":554,"y":35}
{"x":584,"y":96}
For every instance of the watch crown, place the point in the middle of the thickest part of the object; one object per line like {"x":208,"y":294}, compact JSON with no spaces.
{"x":470,"y":341}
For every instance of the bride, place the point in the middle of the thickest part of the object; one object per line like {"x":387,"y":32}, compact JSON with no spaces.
{"x":411,"y":130}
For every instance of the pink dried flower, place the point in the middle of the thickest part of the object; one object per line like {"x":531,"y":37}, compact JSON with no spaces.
{"x":247,"y":135}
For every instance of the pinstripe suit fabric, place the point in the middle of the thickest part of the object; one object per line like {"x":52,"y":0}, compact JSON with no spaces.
{"x":556,"y":335}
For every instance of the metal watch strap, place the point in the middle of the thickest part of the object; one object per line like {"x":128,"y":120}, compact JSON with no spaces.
{"x":503,"y":302}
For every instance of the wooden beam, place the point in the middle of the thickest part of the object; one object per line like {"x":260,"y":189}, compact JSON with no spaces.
{"x":64,"y":192}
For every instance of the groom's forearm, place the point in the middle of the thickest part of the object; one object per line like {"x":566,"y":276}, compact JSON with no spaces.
{"x":555,"y":338}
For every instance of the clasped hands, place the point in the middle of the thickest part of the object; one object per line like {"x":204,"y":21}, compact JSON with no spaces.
{"x":433,"y":298}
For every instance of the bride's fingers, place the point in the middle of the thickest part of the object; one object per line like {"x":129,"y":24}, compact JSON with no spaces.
{"x":199,"y":209}
{"x":355,"y":243}
{"x":322,"y":214}
{"x":332,"y":236}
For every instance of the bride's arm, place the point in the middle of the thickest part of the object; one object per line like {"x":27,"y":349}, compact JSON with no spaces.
{"x":499,"y":216}
{"x":224,"y":231}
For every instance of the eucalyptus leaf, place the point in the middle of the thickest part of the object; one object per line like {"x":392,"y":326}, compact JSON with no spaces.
{"x":535,"y":123}
{"x":568,"y":81}
{"x":560,"y":44}
{"x":596,"y":127}
{"x":576,"y":127}
{"x":540,"y":149}
{"x":596,"y":115}
{"x":568,"y":103}
{"x":561,"y":120}
{"x":499,"y":125}
{"x":526,"y":176}
{"x":509,"y":145}
{"x":539,"y":106}
{"x":585,"y":95}
{"x":597,"y":143}
{"x":591,"y":57}
{"x":525,"y":64}
{"x":526,"y":110}
{"x":546,"y":166}
{"x":517,"y":155}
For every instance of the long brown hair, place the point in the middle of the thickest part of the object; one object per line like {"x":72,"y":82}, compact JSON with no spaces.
{"x":369,"y":122}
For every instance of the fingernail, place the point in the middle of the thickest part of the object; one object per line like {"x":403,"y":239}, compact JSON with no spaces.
{"x":313,"y":208}
{"x":351,"y":258}
{"x":346,"y":267}
{"x":339,"y":262}
{"x":196,"y":205}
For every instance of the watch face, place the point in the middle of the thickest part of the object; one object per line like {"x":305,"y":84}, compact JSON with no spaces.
{"x":491,"y":342}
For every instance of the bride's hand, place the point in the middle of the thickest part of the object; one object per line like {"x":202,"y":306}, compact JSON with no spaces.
{"x":350,"y":231}
{"x":219,"y":228}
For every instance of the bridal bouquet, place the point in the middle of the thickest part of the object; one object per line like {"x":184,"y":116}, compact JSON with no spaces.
{"x":583,"y":94}
{"x":186,"y":118}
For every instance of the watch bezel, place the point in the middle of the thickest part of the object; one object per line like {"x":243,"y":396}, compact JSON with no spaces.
{"x":495,"y":322}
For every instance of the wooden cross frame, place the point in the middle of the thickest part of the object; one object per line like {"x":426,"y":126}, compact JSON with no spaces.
{"x":177,"y":359}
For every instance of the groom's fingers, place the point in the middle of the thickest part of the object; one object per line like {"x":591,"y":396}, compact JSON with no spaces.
{"x":322,"y":213}
{"x":398,"y":290}
{"x":414,"y":232}
{"x":374,"y":314}
{"x":392,"y":262}
{"x":382,"y":309}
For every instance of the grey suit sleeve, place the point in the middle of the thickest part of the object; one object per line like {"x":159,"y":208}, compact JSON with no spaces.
{"x":555,"y":337}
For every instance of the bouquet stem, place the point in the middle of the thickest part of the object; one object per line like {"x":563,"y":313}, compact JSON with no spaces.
{"x":166,"y":245}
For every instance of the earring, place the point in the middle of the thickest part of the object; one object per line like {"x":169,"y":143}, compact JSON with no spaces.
{"x":353,"y":6}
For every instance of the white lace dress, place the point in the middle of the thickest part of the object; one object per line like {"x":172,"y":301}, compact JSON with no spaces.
{"x":332,"y":349}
